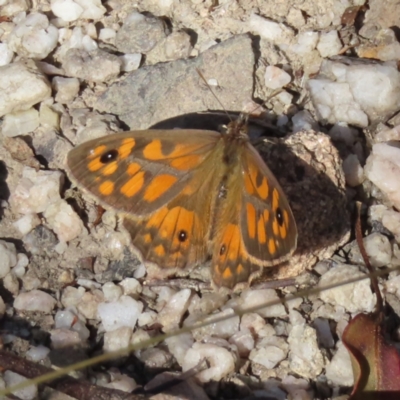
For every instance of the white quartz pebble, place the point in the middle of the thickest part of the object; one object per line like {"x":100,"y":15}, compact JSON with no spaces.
{"x":63,"y":220}
{"x":353,"y":171}
{"x":339,"y":371}
{"x":171,"y":315}
{"x":67,"y":10}
{"x":6,"y":54}
{"x":276,"y":78}
{"x":383,"y":169}
{"x":20,"y":122}
{"x":33,"y":37}
{"x":66,"y":88}
{"x":12,"y":379}
{"x":35,"y":300}
{"x":21,"y":87}
{"x":36,"y":191}
{"x":121,"y":313}
{"x":355,"y":297}
{"x":329,"y":44}
{"x":305,"y":357}
{"x":8,"y":257}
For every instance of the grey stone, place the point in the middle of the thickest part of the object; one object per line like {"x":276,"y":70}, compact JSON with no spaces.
{"x":154,"y":93}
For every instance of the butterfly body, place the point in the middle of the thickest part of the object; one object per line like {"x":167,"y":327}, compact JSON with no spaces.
{"x":189,"y":196}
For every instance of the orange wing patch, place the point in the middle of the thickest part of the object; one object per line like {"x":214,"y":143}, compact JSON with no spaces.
{"x":110,"y":168}
{"x":255,"y":182}
{"x":106,"y":188}
{"x":95,"y":165}
{"x":133,"y":185}
{"x":182,"y":157}
{"x":158,"y":186}
{"x":251,"y":220}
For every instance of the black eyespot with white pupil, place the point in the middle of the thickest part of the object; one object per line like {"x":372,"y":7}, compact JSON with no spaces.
{"x":182,"y":236}
{"x":222,"y":250}
{"x":109,"y":156}
{"x":279,"y":216}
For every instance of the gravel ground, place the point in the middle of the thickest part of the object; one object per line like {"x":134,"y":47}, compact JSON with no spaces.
{"x":73,"y":286}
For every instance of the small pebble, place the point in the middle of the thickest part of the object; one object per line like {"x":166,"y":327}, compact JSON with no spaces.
{"x":72,"y":296}
{"x":64,"y":338}
{"x":66,"y":89}
{"x":383,"y":169}
{"x":272,"y":31}
{"x":37,"y":353}
{"x":244,"y":342}
{"x":353,"y":172}
{"x":33,"y":37}
{"x":90,"y":303}
{"x":155,"y":358}
{"x":117,"y":339}
{"x":303,"y":120}
{"x":21,"y":87}
{"x":36,"y":191}
{"x":20,"y":123}
{"x":268,"y":358}
{"x":131,"y":287}
{"x":130,"y":62}
{"x":35,"y":300}
{"x":305,"y":357}
{"x":355,"y":297}
{"x":8,"y":257}
{"x":179,"y":345}
{"x":67,"y":10}
{"x":112,"y":292}
{"x":339,"y":370}
{"x":171,"y":315}
{"x":96,"y":66}
{"x":222,"y":329}
{"x":276,"y":78}
{"x":121,"y":313}
{"x":26,"y":223}
{"x":6,"y":54}
{"x":221,"y":361}
{"x":122,"y":382}
{"x":147,"y":318}
{"x":139,"y":34}
{"x":391,"y":221}
{"x":12,"y":379}
{"x":253,"y":298}
{"x":329,"y":44}
{"x":107,"y":35}
{"x":63,"y":220}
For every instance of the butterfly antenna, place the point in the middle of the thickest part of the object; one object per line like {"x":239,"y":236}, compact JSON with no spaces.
{"x":213,"y":93}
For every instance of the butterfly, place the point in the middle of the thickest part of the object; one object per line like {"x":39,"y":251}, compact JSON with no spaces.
{"x":191,"y":196}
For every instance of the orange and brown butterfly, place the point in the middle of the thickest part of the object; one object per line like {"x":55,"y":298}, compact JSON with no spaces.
{"x":191,"y":196}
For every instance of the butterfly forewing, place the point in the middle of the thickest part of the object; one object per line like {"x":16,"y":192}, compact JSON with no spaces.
{"x":138,"y":172}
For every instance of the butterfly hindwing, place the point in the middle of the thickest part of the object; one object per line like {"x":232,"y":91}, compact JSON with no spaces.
{"x":267,"y":224}
{"x":255,"y":225}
